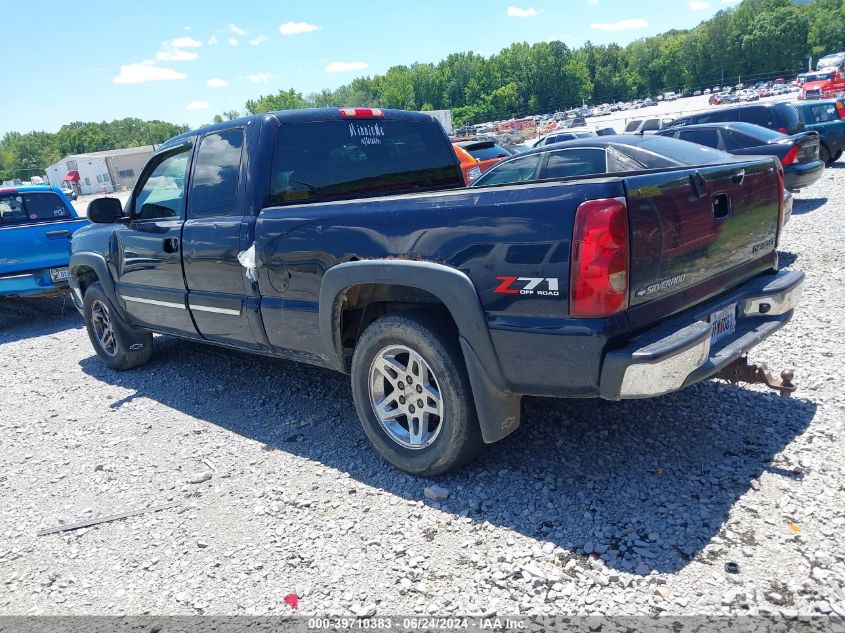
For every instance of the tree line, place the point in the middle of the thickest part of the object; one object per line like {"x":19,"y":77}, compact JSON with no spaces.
{"x":755,"y":38}
{"x":25,"y":155}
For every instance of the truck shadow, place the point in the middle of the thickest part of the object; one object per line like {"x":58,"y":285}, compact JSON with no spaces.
{"x":657,"y":477}
{"x":800,"y":206}
{"x":28,"y":318}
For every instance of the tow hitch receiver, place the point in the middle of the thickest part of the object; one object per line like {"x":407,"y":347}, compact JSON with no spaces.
{"x":742,"y":371}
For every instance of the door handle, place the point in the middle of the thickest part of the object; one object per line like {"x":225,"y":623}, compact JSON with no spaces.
{"x":54,"y":235}
{"x":171,"y":245}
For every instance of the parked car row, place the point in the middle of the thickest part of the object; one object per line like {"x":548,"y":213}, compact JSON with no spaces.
{"x":803,"y":139}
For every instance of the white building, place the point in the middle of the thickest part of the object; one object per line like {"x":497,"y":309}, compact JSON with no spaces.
{"x":100,"y":172}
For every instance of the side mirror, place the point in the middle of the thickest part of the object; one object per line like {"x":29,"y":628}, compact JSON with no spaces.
{"x":105,"y":210}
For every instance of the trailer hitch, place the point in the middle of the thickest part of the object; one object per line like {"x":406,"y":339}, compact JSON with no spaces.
{"x":742,"y":371}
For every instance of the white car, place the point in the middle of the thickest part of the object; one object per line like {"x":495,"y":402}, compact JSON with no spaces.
{"x":649,"y":125}
{"x":565,"y":135}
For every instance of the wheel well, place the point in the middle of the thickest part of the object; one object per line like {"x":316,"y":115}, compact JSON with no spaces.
{"x":360,"y":305}
{"x":86,"y":276}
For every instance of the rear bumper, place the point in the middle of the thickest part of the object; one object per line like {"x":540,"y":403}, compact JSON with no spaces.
{"x":678,"y":352}
{"x":30,"y":284}
{"x":802,"y":175}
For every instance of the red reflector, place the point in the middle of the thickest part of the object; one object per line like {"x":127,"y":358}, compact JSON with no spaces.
{"x":361,"y":113}
{"x":782,"y":130}
{"x":791,"y":156}
{"x":599,"y":271}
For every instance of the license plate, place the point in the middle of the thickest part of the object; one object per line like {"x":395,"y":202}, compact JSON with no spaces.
{"x":59,"y":274}
{"x":722,"y":323}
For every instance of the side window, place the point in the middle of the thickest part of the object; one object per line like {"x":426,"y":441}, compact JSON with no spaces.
{"x":651,"y":125}
{"x":162,"y":194}
{"x":621,"y":162}
{"x":25,"y":208}
{"x":733,"y":140}
{"x":632,"y":125}
{"x":575,"y":162}
{"x":517,"y":170}
{"x":214,"y":188}
{"x":822,"y":113}
{"x":709,"y":138}
{"x":757,"y":116}
{"x":44,"y":206}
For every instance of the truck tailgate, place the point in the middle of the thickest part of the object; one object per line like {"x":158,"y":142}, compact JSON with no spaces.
{"x":691,"y":226}
{"x":30,"y":247}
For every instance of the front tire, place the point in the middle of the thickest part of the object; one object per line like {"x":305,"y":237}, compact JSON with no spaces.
{"x":118,"y":344}
{"x":413,"y":397}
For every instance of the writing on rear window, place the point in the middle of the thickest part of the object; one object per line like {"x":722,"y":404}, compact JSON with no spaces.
{"x":368,"y":134}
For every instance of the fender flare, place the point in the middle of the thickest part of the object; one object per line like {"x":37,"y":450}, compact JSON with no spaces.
{"x":498,"y":409}
{"x":98,"y":264}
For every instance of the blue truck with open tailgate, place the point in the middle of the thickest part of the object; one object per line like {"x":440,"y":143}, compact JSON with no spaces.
{"x":345,"y":238}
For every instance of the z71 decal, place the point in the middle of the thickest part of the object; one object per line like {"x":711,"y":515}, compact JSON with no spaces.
{"x":541,"y":286}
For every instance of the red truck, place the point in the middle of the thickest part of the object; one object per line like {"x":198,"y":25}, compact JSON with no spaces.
{"x":828,"y":84}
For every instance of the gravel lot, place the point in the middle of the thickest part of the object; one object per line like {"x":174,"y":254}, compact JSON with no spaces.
{"x":589,"y":508}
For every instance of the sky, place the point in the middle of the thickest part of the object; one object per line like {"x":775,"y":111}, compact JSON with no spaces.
{"x":183,"y":61}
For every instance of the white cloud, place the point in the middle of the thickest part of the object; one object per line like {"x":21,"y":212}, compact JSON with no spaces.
{"x":258,"y":40}
{"x":176,"y":55}
{"x":234,"y":28}
{"x":142,"y":72}
{"x":261,"y":78}
{"x":295,"y":28}
{"x":517,"y":12}
{"x":345,"y":67}
{"x":699,"y":5}
{"x":197,"y":105}
{"x":216,"y":82}
{"x":184,"y":42}
{"x":233,"y":41}
{"x":212,"y":40}
{"x":622,"y":25}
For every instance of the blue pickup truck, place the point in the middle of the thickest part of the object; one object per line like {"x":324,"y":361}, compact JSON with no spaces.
{"x":36,"y":224}
{"x":346,"y":239}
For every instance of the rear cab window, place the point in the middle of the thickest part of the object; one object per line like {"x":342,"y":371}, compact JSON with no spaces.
{"x":329,"y":160}
{"x":31,"y":208}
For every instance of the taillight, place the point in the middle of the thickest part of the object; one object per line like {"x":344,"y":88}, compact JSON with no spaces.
{"x":473,"y":173}
{"x":599,"y":271}
{"x":791,"y":156}
{"x":782,"y":130}
{"x":840,"y":109}
{"x":361,"y":113}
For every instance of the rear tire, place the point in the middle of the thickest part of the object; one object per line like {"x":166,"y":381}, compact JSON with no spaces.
{"x":442,"y":434}
{"x":824,"y":154}
{"x":836,"y":156}
{"x":118,"y":344}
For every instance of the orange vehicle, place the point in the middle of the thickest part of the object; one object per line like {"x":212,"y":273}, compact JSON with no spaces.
{"x":477,"y":157}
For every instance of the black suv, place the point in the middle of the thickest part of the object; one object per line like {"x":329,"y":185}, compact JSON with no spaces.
{"x":781,"y":117}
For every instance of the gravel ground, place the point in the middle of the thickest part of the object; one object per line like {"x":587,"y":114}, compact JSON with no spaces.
{"x":589,"y":508}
